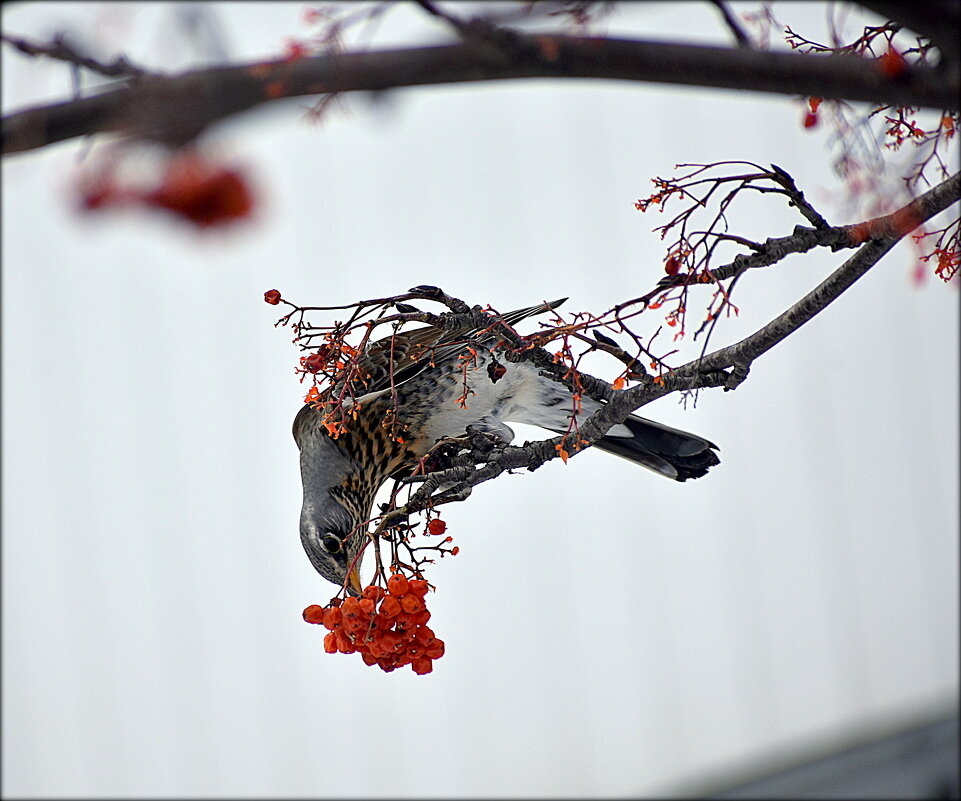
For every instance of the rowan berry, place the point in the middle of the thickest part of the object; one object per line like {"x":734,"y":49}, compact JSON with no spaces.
{"x":313,"y":363}
{"x":436,"y":527}
{"x":344,"y":644}
{"x":272,"y":296}
{"x":422,"y":665}
{"x":390,"y":607}
{"x":411,"y":604}
{"x":422,"y":617}
{"x":392,"y":641}
{"x":374,"y":592}
{"x":424,"y":635}
{"x":333,"y":618}
{"x":391,"y":637}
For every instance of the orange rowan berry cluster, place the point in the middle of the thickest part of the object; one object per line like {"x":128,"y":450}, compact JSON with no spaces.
{"x":388,"y":629}
{"x":193,"y":188}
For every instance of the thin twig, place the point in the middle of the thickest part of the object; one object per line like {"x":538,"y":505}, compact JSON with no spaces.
{"x":60,"y":50}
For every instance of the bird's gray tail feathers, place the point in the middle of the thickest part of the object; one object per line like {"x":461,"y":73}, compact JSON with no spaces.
{"x":668,"y":451}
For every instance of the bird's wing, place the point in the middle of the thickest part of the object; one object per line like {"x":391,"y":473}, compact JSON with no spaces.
{"x":409,"y":353}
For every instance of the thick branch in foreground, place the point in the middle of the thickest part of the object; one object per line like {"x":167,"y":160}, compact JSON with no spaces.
{"x":177,"y":109}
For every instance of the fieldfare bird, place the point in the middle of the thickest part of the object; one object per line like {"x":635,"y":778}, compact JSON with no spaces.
{"x":342,"y":475}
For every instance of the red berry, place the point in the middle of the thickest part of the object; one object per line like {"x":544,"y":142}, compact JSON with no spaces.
{"x":374,"y":592}
{"x":351,"y":607}
{"x":422,"y":617}
{"x":313,"y":363}
{"x":392,"y":641}
{"x":411,"y":604}
{"x":390,"y":607}
{"x":333,"y":618}
{"x":424,"y":635}
{"x":272,"y":296}
{"x":422,"y":666}
{"x":202,"y":193}
{"x":436,"y":527}
{"x":398,"y":585}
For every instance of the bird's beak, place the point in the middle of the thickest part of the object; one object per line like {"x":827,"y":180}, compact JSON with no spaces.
{"x":353,"y":579}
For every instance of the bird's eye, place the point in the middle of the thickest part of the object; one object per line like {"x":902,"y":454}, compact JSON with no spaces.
{"x":331,"y":543}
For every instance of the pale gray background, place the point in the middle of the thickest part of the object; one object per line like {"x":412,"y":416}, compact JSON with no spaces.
{"x":608,"y":632}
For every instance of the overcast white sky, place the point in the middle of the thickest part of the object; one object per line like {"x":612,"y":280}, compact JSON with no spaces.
{"x":608,"y":632}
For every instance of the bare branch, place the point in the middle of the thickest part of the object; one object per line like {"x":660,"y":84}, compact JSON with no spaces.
{"x":879,"y":236}
{"x":177,"y":109}
{"x":726,"y":367}
{"x":938,"y":20}
{"x":740,"y":37}
{"x":60,"y":50}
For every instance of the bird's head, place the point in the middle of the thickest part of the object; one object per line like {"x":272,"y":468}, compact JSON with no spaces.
{"x":332,"y":539}
{"x":336,"y":504}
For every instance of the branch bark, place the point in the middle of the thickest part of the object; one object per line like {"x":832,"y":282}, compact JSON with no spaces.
{"x":726,"y":367}
{"x":938,"y":20}
{"x":885,"y":233}
{"x":177,"y":109}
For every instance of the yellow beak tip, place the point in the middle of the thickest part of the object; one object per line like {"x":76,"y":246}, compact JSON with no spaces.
{"x":354,"y":580}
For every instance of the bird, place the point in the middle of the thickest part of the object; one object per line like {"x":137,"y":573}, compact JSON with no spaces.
{"x":422,"y":386}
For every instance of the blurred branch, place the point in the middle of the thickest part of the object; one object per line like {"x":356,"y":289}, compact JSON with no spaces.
{"x":740,"y":36}
{"x":60,"y":50}
{"x":179,"y":108}
{"x":937,"y":20}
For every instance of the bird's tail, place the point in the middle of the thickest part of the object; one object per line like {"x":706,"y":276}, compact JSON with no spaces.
{"x":517,"y":315}
{"x":672,"y":453}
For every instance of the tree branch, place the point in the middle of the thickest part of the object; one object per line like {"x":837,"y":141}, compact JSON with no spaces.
{"x":713,"y":370}
{"x":177,"y":109}
{"x":881,"y":234}
{"x":60,"y":50}
{"x":938,"y":20}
